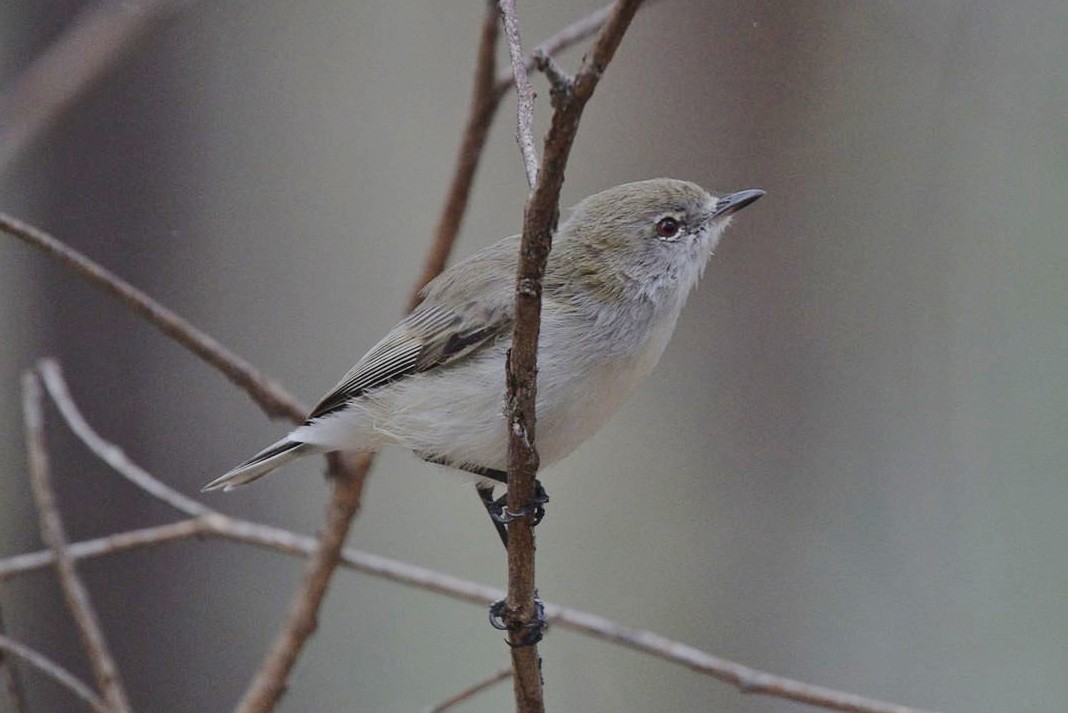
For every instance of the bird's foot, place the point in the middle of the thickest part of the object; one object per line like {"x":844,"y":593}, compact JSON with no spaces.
{"x":500,"y":513}
{"x":532,"y":631}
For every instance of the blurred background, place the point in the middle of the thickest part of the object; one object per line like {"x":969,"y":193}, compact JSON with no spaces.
{"x":849,"y":467}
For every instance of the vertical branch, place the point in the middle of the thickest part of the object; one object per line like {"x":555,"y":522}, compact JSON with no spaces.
{"x":524,"y":132}
{"x":52,"y":531}
{"x":539,"y":222}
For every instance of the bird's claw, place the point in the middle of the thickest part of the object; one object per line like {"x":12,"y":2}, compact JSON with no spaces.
{"x":535,"y":511}
{"x":534,"y":629}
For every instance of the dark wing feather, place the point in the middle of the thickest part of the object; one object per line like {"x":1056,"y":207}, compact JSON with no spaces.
{"x":428,"y":338}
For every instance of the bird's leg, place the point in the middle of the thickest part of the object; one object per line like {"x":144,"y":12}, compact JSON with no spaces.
{"x":500,"y":515}
{"x":497,"y":508}
{"x":493,"y":509}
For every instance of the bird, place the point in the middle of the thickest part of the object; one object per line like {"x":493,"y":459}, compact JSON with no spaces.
{"x":619,"y":273}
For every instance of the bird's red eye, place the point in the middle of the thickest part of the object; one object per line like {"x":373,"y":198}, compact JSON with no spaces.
{"x":667,"y":227}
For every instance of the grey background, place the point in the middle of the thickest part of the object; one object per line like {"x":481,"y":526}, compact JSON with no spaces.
{"x":848,"y":468}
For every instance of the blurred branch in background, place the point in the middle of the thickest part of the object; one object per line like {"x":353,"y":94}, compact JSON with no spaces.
{"x":93,"y":44}
{"x":207,"y":523}
{"x":52,"y":532}
{"x":52,"y":670}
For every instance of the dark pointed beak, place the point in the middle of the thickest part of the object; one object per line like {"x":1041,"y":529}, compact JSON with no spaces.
{"x":735,"y":202}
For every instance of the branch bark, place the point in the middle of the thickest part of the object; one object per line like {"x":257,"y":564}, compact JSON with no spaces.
{"x":486,"y":98}
{"x":524,"y":133}
{"x":539,"y":221}
{"x":52,"y":532}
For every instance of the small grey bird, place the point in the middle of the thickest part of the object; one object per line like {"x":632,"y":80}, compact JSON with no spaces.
{"x":618,"y":275}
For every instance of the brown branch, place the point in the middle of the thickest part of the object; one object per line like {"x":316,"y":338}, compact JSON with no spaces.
{"x":273,"y":677}
{"x":54,"y":671}
{"x":539,"y":221}
{"x":524,"y":133}
{"x":217,"y":525}
{"x":271,"y":397}
{"x":12,"y":681}
{"x":485,"y":99}
{"x":93,"y":43}
{"x":52,"y":532}
{"x":574,"y":33}
{"x":471,"y":691}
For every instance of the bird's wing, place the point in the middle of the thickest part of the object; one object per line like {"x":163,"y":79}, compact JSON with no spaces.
{"x":465,"y":309}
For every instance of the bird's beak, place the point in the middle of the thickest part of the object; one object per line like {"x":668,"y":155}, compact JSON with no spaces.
{"x":735,"y":202}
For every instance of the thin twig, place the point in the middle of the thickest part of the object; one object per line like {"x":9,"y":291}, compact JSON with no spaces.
{"x":485,"y":99}
{"x":217,"y":525}
{"x":111,"y":454}
{"x":54,"y":671}
{"x":471,"y":691}
{"x":574,"y":33}
{"x":52,"y":531}
{"x":10,"y":674}
{"x":524,"y":133}
{"x":92,"y":44}
{"x":539,"y":221}
{"x":270,"y":396}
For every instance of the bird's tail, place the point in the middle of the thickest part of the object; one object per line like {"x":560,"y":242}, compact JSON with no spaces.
{"x":259,"y":465}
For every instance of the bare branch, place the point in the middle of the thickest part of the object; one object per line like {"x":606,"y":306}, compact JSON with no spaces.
{"x":108,"y":545}
{"x":111,"y":454}
{"x":52,"y":531}
{"x":571,"y":35}
{"x":487,"y":94}
{"x":10,"y":674}
{"x":54,"y":671}
{"x":525,"y":102}
{"x":95,"y":41}
{"x":271,"y":397}
{"x":485,"y":100}
{"x":472,"y":691}
{"x":539,"y":222}
{"x":273,"y":677}
{"x":220,"y":526}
